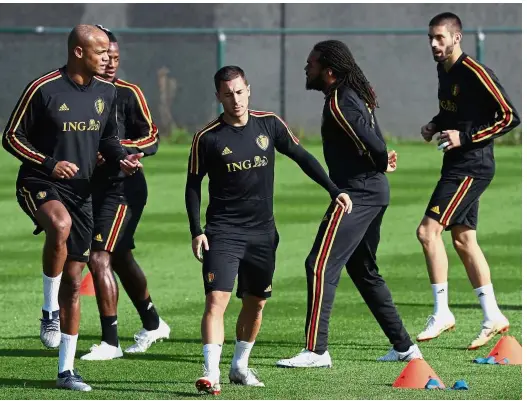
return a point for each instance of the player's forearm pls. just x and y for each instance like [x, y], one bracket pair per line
[148, 145]
[111, 149]
[438, 121]
[508, 121]
[314, 170]
[19, 147]
[193, 204]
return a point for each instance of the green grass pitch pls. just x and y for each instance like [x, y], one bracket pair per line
[168, 370]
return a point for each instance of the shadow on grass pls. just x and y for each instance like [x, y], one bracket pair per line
[29, 353]
[462, 306]
[50, 384]
[24, 383]
[38, 353]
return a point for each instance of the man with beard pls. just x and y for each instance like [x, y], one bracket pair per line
[357, 158]
[237, 151]
[473, 111]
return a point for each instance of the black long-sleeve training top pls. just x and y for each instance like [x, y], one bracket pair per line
[472, 101]
[354, 148]
[137, 131]
[56, 119]
[240, 164]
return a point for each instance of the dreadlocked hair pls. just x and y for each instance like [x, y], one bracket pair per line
[336, 55]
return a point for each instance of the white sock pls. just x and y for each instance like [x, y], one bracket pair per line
[240, 359]
[212, 354]
[67, 348]
[440, 292]
[488, 302]
[51, 292]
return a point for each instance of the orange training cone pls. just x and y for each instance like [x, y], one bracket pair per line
[415, 375]
[507, 347]
[87, 286]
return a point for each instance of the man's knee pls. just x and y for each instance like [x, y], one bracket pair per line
[122, 260]
[99, 262]
[70, 285]
[254, 304]
[364, 275]
[463, 239]
[60, 226]
[216, 302]
[429, 232]
[310, 262]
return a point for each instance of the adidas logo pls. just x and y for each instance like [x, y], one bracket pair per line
[481, 295]
[442, 290]
[150, 305]
[226, 151]
[435, 209]
[87, 253]
[114, 323]
[268, 289]
[98, 238]
[64, 107]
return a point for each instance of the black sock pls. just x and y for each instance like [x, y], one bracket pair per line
[109, 330]
[319, 352]
[148, 314]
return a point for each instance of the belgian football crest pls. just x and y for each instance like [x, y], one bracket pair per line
[210, 277]
[41, 195]
[262, 141]
[455, 89]
[99, 106]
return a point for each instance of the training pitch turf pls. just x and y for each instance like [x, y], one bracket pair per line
[168, 370]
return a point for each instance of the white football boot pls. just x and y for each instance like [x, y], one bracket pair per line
[436, 324]
[70, 380]
[50, 329]
[306, 359]
[489, 329]
[209, 383]
[145, 338]
[395, 356]
[103, 352]
[245, 377]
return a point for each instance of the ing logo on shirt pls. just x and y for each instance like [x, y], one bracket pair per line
[92, 125]
[259, 161]
[99, 106]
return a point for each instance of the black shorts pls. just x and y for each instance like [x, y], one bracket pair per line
[33, 192]
[455, 201]
[251, 257]
[116, 212]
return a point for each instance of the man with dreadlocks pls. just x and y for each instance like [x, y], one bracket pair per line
[357, 158]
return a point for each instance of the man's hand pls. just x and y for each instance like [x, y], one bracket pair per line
[344, 201]
[131, 163]
[199, 244]
[64, 170]
[392, 161]
[428, 131]
[448, 140]
[100, 159]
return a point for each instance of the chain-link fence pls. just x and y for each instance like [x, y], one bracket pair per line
[174, 67]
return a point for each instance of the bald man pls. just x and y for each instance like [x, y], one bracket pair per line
[60, 122]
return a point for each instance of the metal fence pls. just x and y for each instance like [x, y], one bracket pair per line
[195, 53]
